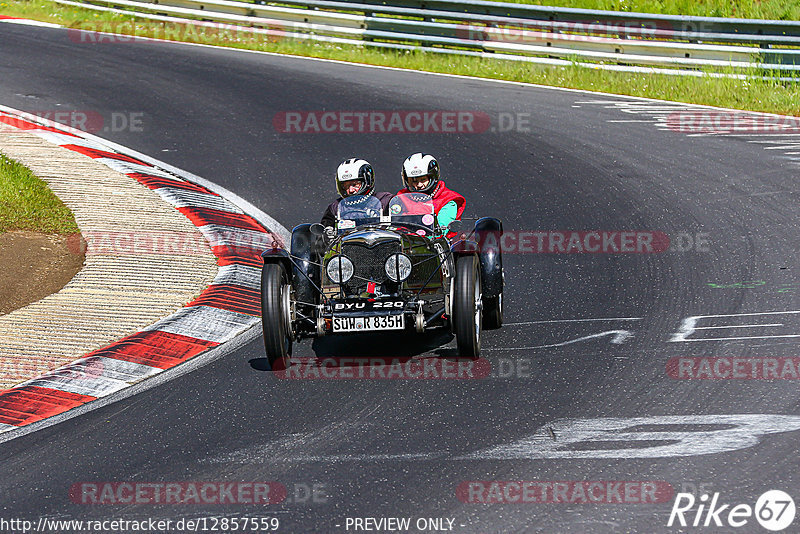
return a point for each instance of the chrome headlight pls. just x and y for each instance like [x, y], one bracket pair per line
[339, 265]
[398, 267]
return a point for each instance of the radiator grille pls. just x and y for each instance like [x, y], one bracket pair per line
[422, 266]
[368, 263]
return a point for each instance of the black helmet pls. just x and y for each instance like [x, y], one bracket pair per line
[355, 169]
[418, 165]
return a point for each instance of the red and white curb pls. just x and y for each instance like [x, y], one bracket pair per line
[229, 309]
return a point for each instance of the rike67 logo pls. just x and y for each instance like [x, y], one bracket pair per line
[774, 510]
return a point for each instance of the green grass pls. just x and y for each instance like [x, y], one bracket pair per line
[26, 203]
[755, 9]
[748, 9]
[768, 95]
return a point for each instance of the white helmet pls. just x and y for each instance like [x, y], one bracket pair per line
[418, 165]
[355, 169]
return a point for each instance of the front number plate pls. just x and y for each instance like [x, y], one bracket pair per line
[368, 324]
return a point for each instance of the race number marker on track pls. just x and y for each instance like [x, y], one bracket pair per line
[643, 437]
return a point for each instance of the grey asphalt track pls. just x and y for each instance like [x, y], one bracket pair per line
[401, 448]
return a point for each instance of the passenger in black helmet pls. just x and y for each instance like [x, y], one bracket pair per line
[353, 177]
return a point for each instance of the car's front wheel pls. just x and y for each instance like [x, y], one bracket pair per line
[467, 307]
[275, 315]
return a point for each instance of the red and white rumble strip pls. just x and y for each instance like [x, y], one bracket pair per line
[227, 308]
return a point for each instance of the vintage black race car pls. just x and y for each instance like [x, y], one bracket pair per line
[382, 273]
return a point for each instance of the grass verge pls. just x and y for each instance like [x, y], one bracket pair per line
[26, 203]
[755, 94]
[746, 9]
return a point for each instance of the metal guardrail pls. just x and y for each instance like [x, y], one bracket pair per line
[518, 32]
[670, 26]
[678, 22]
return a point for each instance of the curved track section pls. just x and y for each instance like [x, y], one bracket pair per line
[224, 310]
[598, 376]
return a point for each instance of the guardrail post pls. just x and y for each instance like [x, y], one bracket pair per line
[369, 15]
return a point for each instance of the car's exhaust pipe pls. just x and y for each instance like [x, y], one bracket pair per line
[436, 315]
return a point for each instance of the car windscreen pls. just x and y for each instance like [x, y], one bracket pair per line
[412, 209]
[358, 210]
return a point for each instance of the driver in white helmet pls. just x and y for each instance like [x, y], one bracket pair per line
[353, 177]
[421, 175]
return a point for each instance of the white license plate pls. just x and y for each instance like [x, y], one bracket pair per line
[368, 324]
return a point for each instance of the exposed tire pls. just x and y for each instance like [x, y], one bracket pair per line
[467, 307]
[493, 312]
[275, 318]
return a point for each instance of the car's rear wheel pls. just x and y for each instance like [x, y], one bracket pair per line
[275, 315]
[467, 307]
